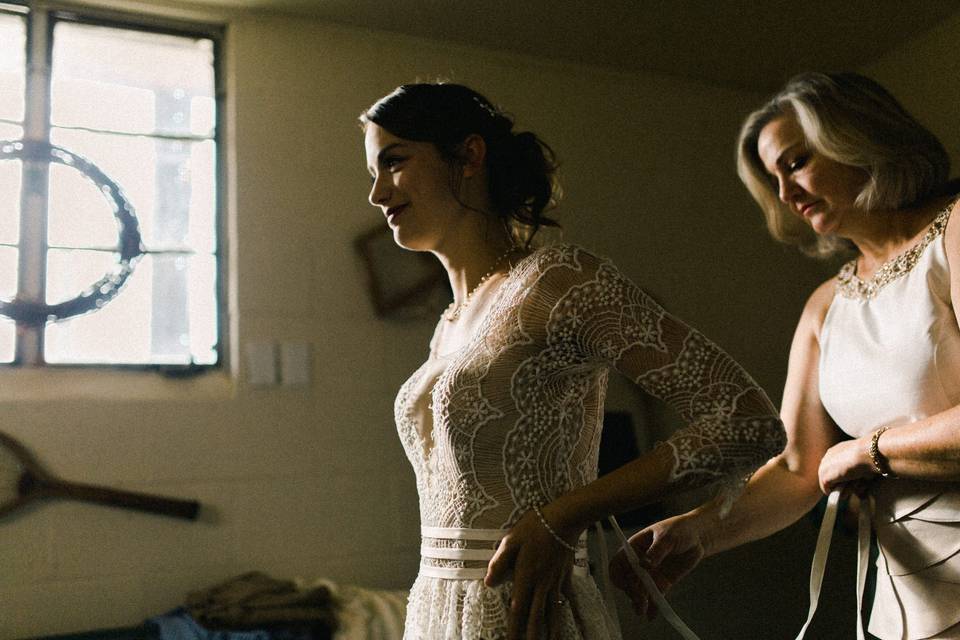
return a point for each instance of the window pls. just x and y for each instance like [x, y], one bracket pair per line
[109, 251]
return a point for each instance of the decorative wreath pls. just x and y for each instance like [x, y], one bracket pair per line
[129, 248]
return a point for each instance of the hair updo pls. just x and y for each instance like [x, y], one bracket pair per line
[521, 168]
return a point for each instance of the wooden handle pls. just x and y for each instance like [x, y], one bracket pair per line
[174, 507]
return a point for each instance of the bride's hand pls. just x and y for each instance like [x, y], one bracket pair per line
[668, 550]
[540, 567]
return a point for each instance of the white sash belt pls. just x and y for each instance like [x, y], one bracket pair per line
[452, 533]
[430, 552]
[453, 573]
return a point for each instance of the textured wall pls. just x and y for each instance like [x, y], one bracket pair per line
[312, 482]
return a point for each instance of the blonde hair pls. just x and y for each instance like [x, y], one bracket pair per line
[852, 120]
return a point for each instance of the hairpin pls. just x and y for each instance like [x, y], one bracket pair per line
[486, 107]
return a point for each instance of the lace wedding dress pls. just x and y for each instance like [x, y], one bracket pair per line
[512, 420]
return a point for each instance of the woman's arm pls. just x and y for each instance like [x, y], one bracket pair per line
[731, 429]
[928, 449]
[732, 426]
[777, 495]
[786, 487]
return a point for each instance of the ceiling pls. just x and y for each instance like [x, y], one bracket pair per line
[753, 44]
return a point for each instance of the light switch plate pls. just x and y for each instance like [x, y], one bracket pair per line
[294, 364]
[261, 363]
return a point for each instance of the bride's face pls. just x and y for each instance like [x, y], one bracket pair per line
[412, 186]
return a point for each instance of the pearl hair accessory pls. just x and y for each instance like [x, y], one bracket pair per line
[454, 310]
[486, 107]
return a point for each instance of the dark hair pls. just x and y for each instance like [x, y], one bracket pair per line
[520, 166]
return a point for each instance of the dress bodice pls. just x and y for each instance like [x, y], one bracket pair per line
[512, 420]
[890, 348]
[889, 356]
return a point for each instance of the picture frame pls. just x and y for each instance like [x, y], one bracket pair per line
[397, 278]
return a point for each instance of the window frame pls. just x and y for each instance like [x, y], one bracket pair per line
[48, 14]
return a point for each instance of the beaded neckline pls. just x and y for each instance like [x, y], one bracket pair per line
[514, 268]
[453, 311]
[849, 285]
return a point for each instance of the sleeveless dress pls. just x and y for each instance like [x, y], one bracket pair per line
[512, 420]
[890, 355]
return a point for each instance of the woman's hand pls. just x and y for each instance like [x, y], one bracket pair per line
[846, 465]
[668, 550]
[540, 568]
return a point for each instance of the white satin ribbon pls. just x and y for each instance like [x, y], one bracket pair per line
[665, 609]
[823, 549]
[604, 572]
[863, 558]
[820, 558]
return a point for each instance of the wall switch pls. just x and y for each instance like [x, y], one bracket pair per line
[261, 363]
[294, 364]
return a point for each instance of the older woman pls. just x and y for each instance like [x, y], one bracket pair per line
[501, 423]
[872, 398]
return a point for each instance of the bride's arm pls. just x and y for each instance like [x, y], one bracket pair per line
[732, 426]
[731, 429]
[777, 495]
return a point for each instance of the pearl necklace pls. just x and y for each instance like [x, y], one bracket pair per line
[453, 311]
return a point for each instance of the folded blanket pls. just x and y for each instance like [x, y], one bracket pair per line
[254, 600]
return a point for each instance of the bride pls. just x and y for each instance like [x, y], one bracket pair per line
[502, 422]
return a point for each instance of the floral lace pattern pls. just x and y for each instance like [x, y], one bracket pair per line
[849, 285]
[514, 419]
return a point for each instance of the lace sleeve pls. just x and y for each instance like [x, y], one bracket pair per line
[731, 426]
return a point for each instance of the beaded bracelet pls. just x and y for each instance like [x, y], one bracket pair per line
[550, 530]
[880, 464]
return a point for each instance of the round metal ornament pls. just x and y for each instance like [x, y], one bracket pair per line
[129, 247]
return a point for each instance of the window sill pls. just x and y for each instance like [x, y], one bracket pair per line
[52, 384]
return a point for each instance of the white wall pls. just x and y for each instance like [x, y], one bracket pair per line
[312, 482]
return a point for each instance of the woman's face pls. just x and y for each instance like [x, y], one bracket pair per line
[817, 189]
[412, 186]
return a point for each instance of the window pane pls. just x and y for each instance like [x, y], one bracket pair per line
[79, 214]
[202, 228]
[8, 334]
[69, 272]
[13, 42]
[11, 172]
[203, 111]
[165, 314]
[10, 131]
[171, 184]
[131, 81]
[8, 273]
[8, 289]
[129, 162]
